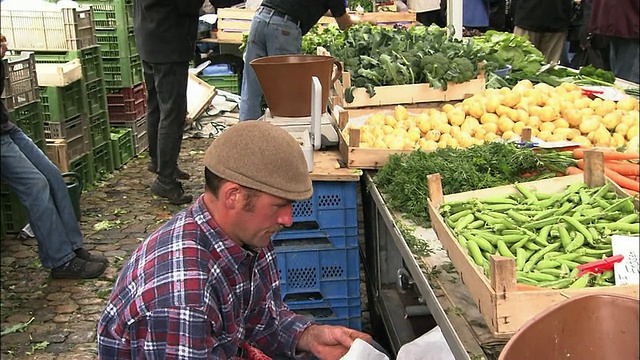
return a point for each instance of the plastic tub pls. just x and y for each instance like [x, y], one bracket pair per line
[593, 326]
[504, 71]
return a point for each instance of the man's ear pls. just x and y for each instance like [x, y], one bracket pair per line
[230, 193]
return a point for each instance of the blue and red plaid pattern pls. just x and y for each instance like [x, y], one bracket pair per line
[189, 292]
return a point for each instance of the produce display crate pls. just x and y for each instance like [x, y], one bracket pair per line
[63, 153]
[61, 103]
[322, 283]
[122, 146]
[102, 160]
[116, 44]
[329, 217]
[95, 96]
[84, 166]
[99, 128]
[13, 213]
[234, 22]
[359, 157]
[404, 94]
[29, 119]
[128, 104]
[59, 74]
[55, 29]
[503, 305]
[20, 84]
[390, 18]
[111, 14]
[90, 61]
[230, 83]
[123, 72]
[139, 132]
[199, 96]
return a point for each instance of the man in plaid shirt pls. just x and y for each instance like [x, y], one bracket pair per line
[206, 284]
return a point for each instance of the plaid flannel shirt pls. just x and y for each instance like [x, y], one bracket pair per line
[189, 292]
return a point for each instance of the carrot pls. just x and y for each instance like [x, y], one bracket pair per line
[622, 181]
[580, 164]
[573, 170]
[623, 169]
[608, 154]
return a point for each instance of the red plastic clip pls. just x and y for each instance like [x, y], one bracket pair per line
[599, 266]
[588, 92]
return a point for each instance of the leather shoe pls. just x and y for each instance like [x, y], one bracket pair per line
[77, 268]
[83, 254]
[174, 193]
[152, 167]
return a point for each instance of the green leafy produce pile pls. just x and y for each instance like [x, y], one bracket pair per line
[403, 179]
[367, 5]
[378, 56]
[502, 49]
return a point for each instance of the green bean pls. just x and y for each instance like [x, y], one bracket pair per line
[628, 219]
[563, 209]
[620, 204]
[557, 284]
[504, 250]
[544, 214]
[537, 256]
[475, 252]
[540, 223]
[536, 276]
[633, 228]
[498, 200]
[525, 280]
[547, 264]
[601, 191]
[579, 227]
[521, 258]
[476, 224]
[482, 243]
[526, 192]
[543, 235]
[564, 236]
[580, 282]
[576, 243]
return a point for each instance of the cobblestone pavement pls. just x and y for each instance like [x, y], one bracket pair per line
[43, 318]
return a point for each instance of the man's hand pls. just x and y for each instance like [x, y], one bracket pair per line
[329, 342]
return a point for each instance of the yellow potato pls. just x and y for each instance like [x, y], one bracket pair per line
[611, 120]
[400, 112]
[456, 117]
[627, 103]
[561, 122]
[547, 126]
[504, 123]
[582, 140]
[517, 127]
[508, 135]
[572, 116]
[589, 124]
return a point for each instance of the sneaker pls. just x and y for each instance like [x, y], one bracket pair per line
[152, 167]
[77, 268]
[175, 194]
[83, 254]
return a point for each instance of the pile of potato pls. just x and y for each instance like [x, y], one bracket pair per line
[553, 113]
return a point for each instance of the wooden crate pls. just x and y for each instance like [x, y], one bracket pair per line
[405, 94]
[58, 74]
[389, 19]
[366, 158]
[199, 96]
[505, 307]
[234, 22]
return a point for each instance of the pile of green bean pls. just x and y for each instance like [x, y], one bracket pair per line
[548, 235]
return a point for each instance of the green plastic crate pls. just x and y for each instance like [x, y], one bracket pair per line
[230, 83]
[14, 215]
[123, 72]
[122, 146]
[116, 44]
[95, 97]
[103, 160]
[99, 129]
[90, 60]
[111, 14]
[84, 166]
[29, 119]
[61, 103]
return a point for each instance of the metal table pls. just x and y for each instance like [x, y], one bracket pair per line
[393, 271]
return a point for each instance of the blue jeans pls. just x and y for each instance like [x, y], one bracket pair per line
[269, 35]
[624, 58]
[43, 192]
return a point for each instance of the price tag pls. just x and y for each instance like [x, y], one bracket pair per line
[628, 270]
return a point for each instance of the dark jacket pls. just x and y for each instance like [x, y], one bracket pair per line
[621, 20]
[166, 30]
[542, 15]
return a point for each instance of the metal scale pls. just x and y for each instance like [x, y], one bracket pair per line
[312, 132]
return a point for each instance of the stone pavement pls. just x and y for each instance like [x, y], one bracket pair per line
[43, 318]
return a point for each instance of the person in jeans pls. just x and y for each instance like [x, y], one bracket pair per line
[205, 285]
[277, 29]
[43, 192]
[166, 33]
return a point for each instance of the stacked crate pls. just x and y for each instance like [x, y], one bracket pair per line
[318, 257]
[123, 74]
[20, 96]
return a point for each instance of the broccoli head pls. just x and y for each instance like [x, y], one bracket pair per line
[461, 70]
[435, 67]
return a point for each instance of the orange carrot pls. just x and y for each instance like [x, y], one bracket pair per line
[623, 169]
[608, 154]
[622, 181]
[580, 164]
[572, 170]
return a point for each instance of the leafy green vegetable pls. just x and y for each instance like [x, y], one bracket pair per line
[403, 179]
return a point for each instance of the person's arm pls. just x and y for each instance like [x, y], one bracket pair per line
[189, 7]
[328, 341]
[346, 20]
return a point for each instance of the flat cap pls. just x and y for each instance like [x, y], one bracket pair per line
[261, 156]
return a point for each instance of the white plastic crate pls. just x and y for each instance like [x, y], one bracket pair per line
[53, 29]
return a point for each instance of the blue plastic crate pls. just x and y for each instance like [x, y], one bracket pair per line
[331, 211]
[330, 238]
[313, 275]
[333, 312]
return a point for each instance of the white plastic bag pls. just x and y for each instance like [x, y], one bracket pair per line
[362, 350]
[430, 346]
